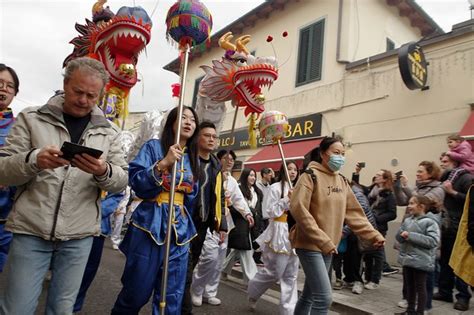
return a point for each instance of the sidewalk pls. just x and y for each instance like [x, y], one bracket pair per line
[380, 301]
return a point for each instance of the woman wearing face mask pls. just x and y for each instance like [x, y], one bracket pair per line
[321, 202]
[280, 260]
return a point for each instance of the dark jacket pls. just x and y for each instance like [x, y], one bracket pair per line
[470, 219]
[385, 209]
[454, 204]
[243, 237]
[217, 197]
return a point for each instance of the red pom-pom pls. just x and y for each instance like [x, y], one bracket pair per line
[176, 89]
[285, 33]
[269, 38]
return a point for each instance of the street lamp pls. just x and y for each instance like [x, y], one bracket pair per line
[471, 6]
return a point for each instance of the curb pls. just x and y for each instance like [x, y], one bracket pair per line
[338, 305]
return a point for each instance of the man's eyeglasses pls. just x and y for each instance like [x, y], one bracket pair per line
[209, 136]
[10, 87]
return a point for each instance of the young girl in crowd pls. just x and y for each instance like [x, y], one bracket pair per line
[150, 177]
[279, 258]
[460, 151]
[320, 203]
[418, 237]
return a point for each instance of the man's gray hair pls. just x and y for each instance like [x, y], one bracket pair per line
[88, 65]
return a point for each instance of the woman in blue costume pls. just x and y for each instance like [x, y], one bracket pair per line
[9, 85]
[143, 244]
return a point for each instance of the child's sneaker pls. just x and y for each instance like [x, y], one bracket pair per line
[403, 304]
[371, 286]
[338, 285]
[357, 288]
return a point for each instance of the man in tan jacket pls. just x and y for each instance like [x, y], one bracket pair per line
[57, 204]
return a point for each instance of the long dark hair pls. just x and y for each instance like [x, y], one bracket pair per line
[315, 154]
[244, 184]
[283, 178]
[168, 138]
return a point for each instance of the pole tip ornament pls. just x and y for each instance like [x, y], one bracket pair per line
[188, 22]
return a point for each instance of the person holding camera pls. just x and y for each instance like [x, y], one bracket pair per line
[56, 212]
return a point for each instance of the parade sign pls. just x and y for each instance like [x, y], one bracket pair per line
[300, 128]
[413, 66]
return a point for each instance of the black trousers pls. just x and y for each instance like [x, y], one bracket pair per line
[416, 289]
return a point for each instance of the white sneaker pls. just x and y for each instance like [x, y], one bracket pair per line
[357, 288]
[213, 301]
[371, 286]
[252, 304]
[114, 246]
[196, 299]
[403, 304]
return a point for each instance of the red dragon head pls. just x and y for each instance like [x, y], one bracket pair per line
[239, 76]
[117, 41]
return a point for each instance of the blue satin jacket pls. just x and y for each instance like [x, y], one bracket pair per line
[108, 206]
[151, 216]
[6, 193]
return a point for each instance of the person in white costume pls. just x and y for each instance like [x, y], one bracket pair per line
[279, 258]
[207, 273]
[119, 214]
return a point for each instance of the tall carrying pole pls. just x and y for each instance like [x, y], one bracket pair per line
[164, 277]
[284, 164]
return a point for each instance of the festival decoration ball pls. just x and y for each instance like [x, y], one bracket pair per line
[188, 22]
[273, 126]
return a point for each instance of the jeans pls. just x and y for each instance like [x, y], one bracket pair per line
[92, 266]
[373, 265]
[316, 297]
[29, 259]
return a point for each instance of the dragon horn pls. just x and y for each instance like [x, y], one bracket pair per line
[224, 41]
[241, 42]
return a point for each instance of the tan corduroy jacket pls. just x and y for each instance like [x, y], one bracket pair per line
[321, 206]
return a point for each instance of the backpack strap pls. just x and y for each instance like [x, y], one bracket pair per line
[311, 173]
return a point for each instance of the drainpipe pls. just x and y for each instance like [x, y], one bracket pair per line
[339, 30]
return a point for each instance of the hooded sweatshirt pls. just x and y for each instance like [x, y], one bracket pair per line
[320, 207]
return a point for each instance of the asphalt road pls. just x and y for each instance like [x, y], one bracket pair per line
[104, 290]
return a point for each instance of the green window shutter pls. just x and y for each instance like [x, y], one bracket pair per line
[303, 55]
[310, 53]
[196, 89]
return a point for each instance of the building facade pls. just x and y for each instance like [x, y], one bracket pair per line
[339, 74]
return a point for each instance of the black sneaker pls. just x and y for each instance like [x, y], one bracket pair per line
[441, 297]
[461, 305]
[389, 271]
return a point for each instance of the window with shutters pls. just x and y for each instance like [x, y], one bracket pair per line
[310, 53]
[389, 44]
[196, 89]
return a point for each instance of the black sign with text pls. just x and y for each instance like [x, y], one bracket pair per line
[300, 128]
[413, 66]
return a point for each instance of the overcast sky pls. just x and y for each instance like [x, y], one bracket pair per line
[35, 35]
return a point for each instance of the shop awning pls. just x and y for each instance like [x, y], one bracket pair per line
[269, 156]
[468, 130]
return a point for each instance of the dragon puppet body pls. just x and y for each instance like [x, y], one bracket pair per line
[239, 77]
[116, 40]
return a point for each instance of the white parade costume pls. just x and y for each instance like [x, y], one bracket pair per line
[279, 258]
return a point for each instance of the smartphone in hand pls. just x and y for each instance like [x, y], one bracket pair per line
[361, 164]
[70, 149]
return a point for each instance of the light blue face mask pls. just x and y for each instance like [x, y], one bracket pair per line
[336, 161]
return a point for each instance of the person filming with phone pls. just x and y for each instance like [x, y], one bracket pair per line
[56, 211]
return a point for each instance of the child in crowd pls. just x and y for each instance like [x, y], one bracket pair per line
[460, 151]
[419, 236]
